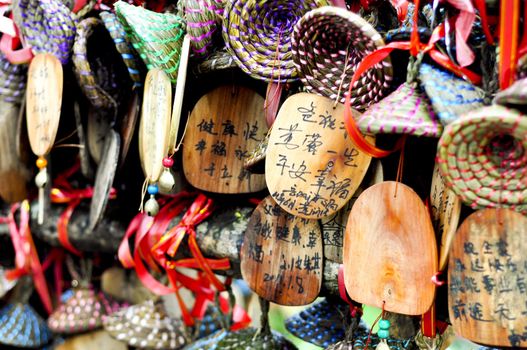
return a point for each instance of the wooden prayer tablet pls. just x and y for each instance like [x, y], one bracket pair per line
[155, 123]
[224, 126]
[281, 255]
[487, 278]
[43, 102]
[446, 209]
[104, 177]
[127, 127]
[390, 252]
[99, 122]
[312, 167]
[334, 226]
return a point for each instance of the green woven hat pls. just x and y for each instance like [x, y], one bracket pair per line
[449, 95]
[157, 37]
[258, 35]
[482, 156]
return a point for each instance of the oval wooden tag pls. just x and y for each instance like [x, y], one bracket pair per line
[281, 255]
[390, 251]
[98, 125]
[155, 123]
[487, 274]
[104, 177]
[44, 100]
[446, 209]
[128, 123]
[224, 125]
[334, 226]
[312, 168]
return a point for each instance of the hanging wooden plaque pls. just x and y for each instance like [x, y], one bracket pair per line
[446, 209]
[487, 278]
[334, 226]
[312, 168]
[84, 153]
[104, 177]
[224, 125]
[43, 102]
[390, 251]
[128, 123]
[99, 122]
[155, 123]
[281, 255]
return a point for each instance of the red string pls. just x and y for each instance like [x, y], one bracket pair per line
[509, 22]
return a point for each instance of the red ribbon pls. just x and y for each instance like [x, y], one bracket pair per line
[462, 23]
[509, 23]
[26, 255]
[482, 9]
[415, 47]
[11, 43]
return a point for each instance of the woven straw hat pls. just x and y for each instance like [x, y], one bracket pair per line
[146, 326]
[21, 326]
[12, 80]
[157, 37]
[483, 159]
[84, 311]
[449, 95]
[218, 60]
[320, 324]
[203, 21]
[515, 95]
[258, 35]
[124, 47]
[249, 338]
[327, 45]
[48, 26]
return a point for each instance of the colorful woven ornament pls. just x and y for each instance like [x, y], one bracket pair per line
[218, 60]
[130, 58]
[47, 25]
[483, 159]
[320, 324]
[83, 312]
[12, 80]
[249, 338]
[327, 45]
[203, 20]
[146, 326]
[404, 111]
[157, 37]
[449, 95]
[22, 327]
[258, 35]
[514, 95]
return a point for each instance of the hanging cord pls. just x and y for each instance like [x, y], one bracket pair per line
[381, 315]
[400, 166]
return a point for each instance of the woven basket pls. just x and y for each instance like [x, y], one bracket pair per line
[130, 58]
[405, 111]
[327, 45]
[248, 338]
[157, 37]
[483, 158]
[22, 327]
[360, 338]
[47, 25]
[449, 95]
[515, 95]
[146, 326]
[203, 21]
[258, 35]
[12, 80]
[218, 60]
[320, 324]
[83, 312]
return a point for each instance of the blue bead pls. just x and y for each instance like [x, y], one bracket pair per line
[152, 189]
[383, 333]
[384, 324]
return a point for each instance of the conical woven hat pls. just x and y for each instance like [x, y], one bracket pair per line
[405, 111]
[22, 327]
[157, 37]
[483, 158]
[320, 324]
[328, 44]
[449, 95]
[82, 312]
[248, 338]
[146, 326]
[203, 23]
[515, 95]
[258, 35]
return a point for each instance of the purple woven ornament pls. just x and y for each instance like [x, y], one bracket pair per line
[327, 45]
[12, 80]
[47, 26]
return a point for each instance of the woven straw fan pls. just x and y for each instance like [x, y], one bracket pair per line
[43, 105]
[153, 131]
